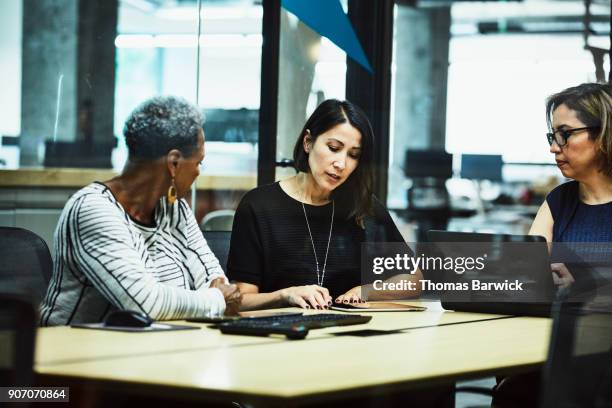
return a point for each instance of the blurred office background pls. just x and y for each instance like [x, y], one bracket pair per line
[456, 97]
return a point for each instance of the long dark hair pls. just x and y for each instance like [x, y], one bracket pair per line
[356, 192]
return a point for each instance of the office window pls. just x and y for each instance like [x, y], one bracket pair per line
[311, 69]
[229, 81]
[164, 61]
[497, 87]
[69, 85]
[472, 78]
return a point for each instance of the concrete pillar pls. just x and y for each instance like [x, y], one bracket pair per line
[96, 71]
[299, 46]
[422, 43]
[421, 57]
[67, 45]
[49, 53]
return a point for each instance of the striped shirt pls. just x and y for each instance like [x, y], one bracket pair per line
[104, 261]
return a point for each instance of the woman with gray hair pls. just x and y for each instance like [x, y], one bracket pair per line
[132, 243]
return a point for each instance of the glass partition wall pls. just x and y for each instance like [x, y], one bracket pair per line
[311, 70]
[471, 78]
[228, 92]
[210, 53]
[74, 69]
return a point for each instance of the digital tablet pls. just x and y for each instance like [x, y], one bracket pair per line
[377, 307]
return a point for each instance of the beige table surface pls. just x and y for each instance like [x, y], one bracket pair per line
[434, 348]
[94, 344]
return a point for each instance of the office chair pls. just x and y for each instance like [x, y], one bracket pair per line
[18, 321]
[219, 243]
[26, 264]
[428, 199]
[578, 371]
[218, 220]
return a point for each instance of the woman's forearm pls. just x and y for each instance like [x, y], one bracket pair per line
[252, 301]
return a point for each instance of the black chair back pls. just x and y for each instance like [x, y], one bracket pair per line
[18, 320]
[219, 243]
[25, 263]
[578, 372]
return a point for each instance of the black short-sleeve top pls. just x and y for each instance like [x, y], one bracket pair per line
[271, 246]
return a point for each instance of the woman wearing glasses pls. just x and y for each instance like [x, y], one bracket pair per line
[580, 119]
[298, 241]
[579, 211]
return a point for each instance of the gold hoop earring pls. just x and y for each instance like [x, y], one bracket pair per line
[171, 196]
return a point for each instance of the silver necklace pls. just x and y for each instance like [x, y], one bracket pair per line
[320, 277]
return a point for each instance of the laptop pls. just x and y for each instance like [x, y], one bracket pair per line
[515, 278]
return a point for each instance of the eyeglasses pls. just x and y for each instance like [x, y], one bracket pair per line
[560, 136]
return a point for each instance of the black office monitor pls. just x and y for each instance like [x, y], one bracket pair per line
[428, 163]
[79, 153]
[232, 125]
[481, 166]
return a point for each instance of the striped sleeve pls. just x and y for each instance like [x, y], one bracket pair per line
[113, 259]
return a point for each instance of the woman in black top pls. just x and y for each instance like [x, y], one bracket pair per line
[298, 241]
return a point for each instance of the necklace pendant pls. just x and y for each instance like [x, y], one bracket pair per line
[320, 276]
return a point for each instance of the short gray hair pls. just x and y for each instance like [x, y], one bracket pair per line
[161, 124]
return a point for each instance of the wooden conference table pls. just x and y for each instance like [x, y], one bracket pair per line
[435, 347]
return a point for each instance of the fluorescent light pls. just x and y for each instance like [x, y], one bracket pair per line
[463, 29]
[188, 13]
[187, 41]
[231, 40]
[175, 41]
[134, 41]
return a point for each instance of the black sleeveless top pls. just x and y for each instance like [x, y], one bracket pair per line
[575, 221]
[583, 238]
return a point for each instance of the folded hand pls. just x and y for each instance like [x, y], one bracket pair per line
[231, 294]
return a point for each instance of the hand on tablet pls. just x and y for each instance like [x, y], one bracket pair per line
[306, 297]
[352, 296]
